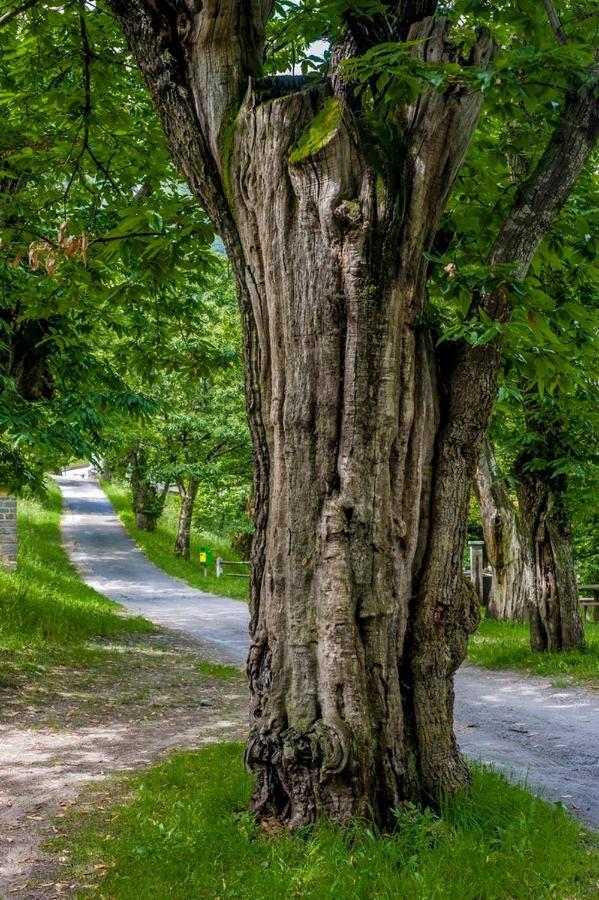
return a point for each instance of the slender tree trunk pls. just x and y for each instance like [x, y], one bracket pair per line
[182, 543]
[148, 502]
[555, 620]
[364, 444]
[503, 541]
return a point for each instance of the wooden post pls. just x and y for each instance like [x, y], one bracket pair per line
[219, 567]
[476, 566]
[591, 613]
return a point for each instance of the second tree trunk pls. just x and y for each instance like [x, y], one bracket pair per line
[555, 621]
[510, 594]
[183, 540]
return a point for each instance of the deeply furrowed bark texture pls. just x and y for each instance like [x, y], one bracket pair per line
[348, 386]
[555, 620]
[510, 594]
[364, 449]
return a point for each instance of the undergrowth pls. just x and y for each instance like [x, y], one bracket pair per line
[183, 831]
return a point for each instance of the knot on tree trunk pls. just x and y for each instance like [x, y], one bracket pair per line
[294, 770]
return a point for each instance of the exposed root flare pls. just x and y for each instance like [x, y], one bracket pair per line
[297, 773]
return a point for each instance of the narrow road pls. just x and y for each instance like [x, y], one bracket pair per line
[111, 562]
[546, 736]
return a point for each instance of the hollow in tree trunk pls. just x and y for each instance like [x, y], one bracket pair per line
[510, 593]
[188, 499]
[365, 443]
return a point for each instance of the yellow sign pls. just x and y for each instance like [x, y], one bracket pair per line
[203, 556]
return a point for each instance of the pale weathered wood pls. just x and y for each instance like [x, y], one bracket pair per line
[510, 593]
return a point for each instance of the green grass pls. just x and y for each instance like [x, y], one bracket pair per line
[158, 546]
[506, 645]
[46, 611]
[217, 670]
[183, 831]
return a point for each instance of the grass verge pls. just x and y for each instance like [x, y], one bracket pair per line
[46, 612]
[506, 645]
[183, 831]
[158, 546]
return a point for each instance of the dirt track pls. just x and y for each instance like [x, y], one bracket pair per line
[73, 728]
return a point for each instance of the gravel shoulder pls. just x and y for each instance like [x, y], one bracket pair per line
[71, 728]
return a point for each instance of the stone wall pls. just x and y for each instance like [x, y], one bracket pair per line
[8, 531]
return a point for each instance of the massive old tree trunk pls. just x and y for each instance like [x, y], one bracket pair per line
[364, 448]
[555, 620]
[503, 540]
[188, 499]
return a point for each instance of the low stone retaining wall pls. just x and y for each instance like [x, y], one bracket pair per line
[8, 530]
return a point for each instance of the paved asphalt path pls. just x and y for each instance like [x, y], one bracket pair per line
[546, 736]
[112, 563]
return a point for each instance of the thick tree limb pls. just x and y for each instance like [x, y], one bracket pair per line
[150, 37]
[541, 197]
[411, 11]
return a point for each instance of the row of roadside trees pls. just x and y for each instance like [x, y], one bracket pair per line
[410, 228]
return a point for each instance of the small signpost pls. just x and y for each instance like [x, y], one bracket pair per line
[205, 559]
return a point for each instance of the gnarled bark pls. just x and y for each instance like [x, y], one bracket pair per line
[510, 593]
[555, 620]
[364, 445]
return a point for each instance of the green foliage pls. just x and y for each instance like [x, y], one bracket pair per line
[197, 430]
[185, 834]
[395, 74]
[99, 238]
[506, 645]
[158, 545]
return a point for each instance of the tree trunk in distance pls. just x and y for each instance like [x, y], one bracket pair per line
[501, 529]
[555, 620]
[147, 502]
[183, 540]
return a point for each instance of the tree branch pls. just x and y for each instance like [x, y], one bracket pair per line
[412, 11]
[153, 34]
[9, 16]
[555, 22]
[541, 197]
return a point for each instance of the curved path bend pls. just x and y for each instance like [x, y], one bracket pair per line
[546, 736]
[110, 561]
